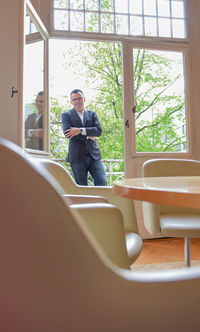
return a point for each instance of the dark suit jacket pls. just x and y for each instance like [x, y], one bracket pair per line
[31, 123]
[80, 145]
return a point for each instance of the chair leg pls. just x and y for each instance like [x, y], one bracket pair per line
[187, 252]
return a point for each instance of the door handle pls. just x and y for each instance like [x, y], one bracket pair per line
[13, 91]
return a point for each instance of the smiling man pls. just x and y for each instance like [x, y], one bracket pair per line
[82, 127]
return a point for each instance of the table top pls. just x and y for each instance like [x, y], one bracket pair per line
[183, 191]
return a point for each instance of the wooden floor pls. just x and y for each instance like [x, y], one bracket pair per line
[158, 251]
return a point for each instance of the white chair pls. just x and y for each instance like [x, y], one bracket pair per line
[161, 220]
[56, 277]
[126, 206]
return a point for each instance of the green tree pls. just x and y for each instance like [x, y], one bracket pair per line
[160, 111]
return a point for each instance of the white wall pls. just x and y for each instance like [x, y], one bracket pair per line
[11, 35]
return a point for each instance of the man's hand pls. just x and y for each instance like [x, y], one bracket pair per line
[92, 138]
[38, 133]
[73, 131]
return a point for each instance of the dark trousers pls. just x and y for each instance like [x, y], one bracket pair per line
[94, 167]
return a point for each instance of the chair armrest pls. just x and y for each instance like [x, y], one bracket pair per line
[125, 205]
[105, 222]
[82, 199]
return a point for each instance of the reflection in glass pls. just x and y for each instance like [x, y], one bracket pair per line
[34, 92]
[34, 124]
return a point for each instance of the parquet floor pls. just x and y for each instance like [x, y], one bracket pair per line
[158, 251]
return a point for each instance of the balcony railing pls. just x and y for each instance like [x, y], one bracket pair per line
[114, 169]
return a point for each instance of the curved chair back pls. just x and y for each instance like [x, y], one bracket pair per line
[54, 276]
[126, 206]
[160, 168]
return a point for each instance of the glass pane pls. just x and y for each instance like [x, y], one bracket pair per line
[160, 101]
[92, 24]
[149, 10]
[60, 3]
[150, 7]
[163, 8]
[121, 6]
[76, 4]
[177, 9]
[76, 21]
[135, 6]
[164, 27]
[150, 26]
[34, 95]
[60, 20]
[107, 23]
[107, 5]
[91, 5]
[29, 26]
[178, 28]
[122, 24]
[136, 26]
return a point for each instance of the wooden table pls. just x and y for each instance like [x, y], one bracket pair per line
[183, 191]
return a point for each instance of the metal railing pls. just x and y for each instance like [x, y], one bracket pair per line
[114, 169]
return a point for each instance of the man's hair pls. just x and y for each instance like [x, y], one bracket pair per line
[76, 91]
[40, 93]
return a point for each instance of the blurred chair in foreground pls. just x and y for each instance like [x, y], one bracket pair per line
[56, 277]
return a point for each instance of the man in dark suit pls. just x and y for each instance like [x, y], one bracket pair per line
[82, 127]
[34, 125]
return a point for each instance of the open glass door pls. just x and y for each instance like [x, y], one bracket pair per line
[156, 107]
[35, 91]
[159, 95]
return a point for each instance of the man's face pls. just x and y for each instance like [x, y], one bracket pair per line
[40, 103]
[77, 100]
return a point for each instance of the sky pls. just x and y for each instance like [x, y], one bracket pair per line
[62, 81]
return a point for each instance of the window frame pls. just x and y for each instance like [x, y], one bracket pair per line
[129, 97]
[159, 43]
[34, 37]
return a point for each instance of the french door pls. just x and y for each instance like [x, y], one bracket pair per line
[156, 106]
